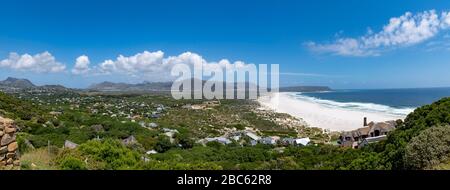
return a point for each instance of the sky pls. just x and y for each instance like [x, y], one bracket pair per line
[342, 44]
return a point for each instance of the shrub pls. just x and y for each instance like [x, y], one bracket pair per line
[72, 163]
[163, 144]
[429, 148]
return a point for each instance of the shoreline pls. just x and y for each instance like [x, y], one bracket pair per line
[324, 117]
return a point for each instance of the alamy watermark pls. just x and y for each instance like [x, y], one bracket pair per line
[230, 81]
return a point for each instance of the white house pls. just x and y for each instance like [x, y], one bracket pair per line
[302, 141]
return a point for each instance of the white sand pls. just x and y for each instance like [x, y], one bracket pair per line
[317, 115]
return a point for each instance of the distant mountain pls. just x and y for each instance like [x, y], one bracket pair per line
[166, 86]
[305, 89]
[17, 83]
[145, 86]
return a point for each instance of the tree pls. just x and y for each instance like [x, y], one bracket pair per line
[429, 148]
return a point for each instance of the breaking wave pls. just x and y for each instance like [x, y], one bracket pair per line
[357, 106]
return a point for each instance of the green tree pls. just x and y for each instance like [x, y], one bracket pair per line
[429, 148]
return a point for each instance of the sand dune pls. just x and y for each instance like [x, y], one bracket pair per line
[325, 117]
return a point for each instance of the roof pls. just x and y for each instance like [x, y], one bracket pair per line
[363, 131]
[384, 126]
[252, 136]
[151, 152]
[222, 140]
[303, 141]
[376, 139]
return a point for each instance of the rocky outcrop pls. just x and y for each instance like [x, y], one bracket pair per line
[9, 155]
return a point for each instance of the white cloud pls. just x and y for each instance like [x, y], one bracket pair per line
[153, 65]
[141, 62]
[39, 63]
[408, 29]
[81, 65]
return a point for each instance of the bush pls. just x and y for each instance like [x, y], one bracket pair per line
[436, 114]
[72, 163]
[112, 153]
[163, 144]
[429, 148]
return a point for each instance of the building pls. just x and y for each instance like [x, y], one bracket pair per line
[371, 140]
[369, 133]
[221, 140]
[153, 125]
[252, 136]
[302, 141]
[270, 140]
[288, 141]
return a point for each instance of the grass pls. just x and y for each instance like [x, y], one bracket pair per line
[38, 159]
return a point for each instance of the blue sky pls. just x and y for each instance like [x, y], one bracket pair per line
[341, 44]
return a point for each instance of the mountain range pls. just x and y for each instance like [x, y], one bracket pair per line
[16, 83]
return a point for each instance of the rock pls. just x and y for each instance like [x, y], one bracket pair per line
[9, 161]
[7, 138]
[10, 155]
[70, 145]
[9, 167]
[16, 163]
[3, 163]
[2, 157]
[3, 150]
[1, 133]
[10, 129]
[12, 147]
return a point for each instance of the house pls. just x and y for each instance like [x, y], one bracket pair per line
[155, 115]
[151, 152]
[252, 136]
[221, 140]
[287, 141]
[55, 113]
[302, 141]
[170, 130]
[368, 131]
[236, 137]
[70, 145]
[153, 125]
[371, 140]
[270, 140]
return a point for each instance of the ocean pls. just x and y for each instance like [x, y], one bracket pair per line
[393, 101]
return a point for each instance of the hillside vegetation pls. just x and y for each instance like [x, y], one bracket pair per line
[421, 142]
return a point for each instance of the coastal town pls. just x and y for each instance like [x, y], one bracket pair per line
[148, 113]
[61, 128]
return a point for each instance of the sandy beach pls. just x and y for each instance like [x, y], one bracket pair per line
[317, 115]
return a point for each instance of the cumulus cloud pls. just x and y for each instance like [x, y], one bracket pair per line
[39, 63]
[81, 65]
[155, 66]
[406, 30]
[141, 62]
[152, 66]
